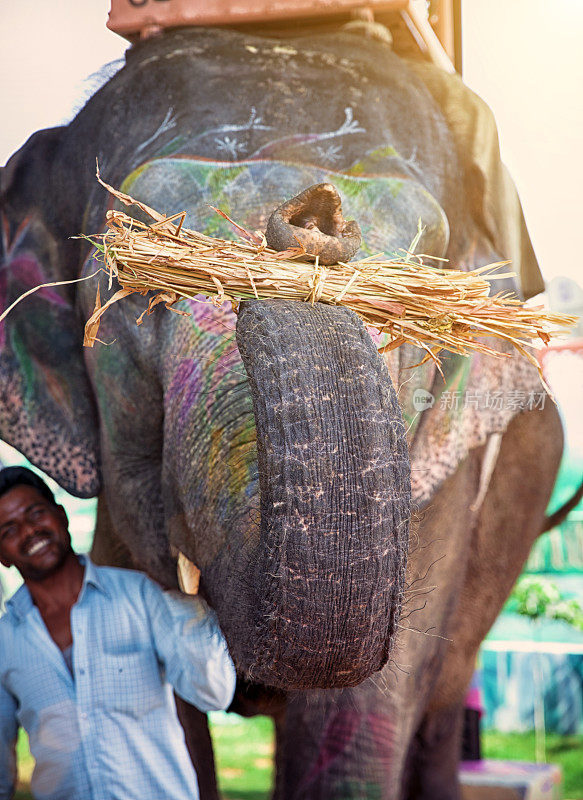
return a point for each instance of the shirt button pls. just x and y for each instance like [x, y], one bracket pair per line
[81, 671]
[83, 715]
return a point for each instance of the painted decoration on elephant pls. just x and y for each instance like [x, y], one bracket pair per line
[40, 361]
[248, 191]
[445, 416]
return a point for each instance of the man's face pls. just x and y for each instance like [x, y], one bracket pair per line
[34, 534]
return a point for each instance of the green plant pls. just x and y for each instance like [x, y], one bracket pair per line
[539, 598]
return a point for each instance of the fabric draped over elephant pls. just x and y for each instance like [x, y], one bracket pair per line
[356, 549]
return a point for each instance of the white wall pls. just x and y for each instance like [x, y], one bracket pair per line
[525, 58]
[47, 48]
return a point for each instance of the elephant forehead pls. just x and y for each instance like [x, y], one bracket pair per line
[442, 427]
[388, 208]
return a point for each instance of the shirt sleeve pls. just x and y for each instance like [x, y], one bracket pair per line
[8, 734]
[191, 646]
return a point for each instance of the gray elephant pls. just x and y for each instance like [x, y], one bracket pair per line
[356, 550]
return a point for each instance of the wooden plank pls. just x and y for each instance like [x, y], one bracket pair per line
[416, 14]
[441, 18]
[147, 16]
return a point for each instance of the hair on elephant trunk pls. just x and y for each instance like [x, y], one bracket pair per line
[334, 496]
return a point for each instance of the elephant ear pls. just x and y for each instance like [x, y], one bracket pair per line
[46, 405]
[489, 190]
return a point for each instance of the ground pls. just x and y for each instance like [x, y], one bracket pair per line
[244, 749]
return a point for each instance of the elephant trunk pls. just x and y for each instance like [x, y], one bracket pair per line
[335, 497]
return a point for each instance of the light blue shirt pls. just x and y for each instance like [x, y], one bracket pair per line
[110, 730]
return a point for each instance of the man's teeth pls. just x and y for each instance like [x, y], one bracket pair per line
[37, 546]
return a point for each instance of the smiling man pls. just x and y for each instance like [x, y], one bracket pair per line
[88, 659]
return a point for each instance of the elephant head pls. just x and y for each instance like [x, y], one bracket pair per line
[275, 449]
[276, 462]
[284, 477]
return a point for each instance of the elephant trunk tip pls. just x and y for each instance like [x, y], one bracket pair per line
[313, 221]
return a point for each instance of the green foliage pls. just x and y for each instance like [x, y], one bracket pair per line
[25, 767]
[244, 755]
[562, 750]
[540, 598]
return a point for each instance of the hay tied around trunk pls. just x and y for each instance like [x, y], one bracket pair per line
[433, 308]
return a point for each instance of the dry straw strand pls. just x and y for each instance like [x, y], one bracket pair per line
[432, 307]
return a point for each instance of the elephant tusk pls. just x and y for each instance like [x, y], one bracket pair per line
[188, 574]
[488, 463]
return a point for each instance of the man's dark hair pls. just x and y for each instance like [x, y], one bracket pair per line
[21, 476]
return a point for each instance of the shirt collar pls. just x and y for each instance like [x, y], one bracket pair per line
[93, 576]
[21, 601]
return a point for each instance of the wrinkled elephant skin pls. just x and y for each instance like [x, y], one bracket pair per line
[276, 449]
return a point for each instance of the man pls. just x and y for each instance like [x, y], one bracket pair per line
[88, 659]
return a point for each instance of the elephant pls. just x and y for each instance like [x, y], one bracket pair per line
[356, 548]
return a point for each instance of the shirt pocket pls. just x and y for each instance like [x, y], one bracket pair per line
[130, 684]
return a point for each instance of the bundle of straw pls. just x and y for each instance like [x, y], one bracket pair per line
[430, 307]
